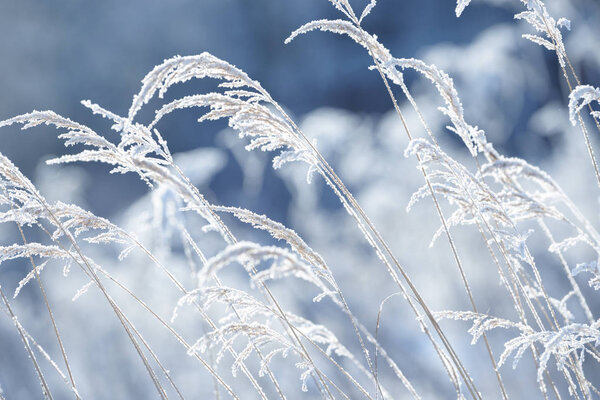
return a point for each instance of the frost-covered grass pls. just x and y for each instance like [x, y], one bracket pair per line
[493, 267]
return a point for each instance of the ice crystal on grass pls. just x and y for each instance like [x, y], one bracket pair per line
[592, 268]
[538, 17]
[367, 10]
[248, 321]
[250, 255]
[473, 137]
[249, 109]
[580, 97]
[481, 322]
[561, 344]
[473, 198]
[460, 6]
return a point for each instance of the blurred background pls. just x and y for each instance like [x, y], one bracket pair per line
[55, 54]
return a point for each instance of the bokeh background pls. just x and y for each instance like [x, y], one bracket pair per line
[55, 54]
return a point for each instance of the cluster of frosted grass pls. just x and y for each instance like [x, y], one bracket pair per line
[161, 295]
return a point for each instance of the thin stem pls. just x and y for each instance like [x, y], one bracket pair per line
[574, 284]
[45, 389]
[179, 338]
[50, 313]
[95, 278]
[267, 292]
[468, 380]
[558, 47]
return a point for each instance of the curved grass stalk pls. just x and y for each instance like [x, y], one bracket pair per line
[574, 284]
[179, 338]
[86, 267]
[43, 352]
[148, 169]
[153, 355]
[250, 307]
[213, 218]
[540, 304]
[183, 290]
[561, 53]
[553, 320]
[45, 389]
[514, 294]
[358, 33]
[50, 314]
[207, 318]
[49, 309]
[377, 349]
[383, 251]
[575, 365]
[228, 105]
[267, 292]
[367, 44]
[281, 232]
